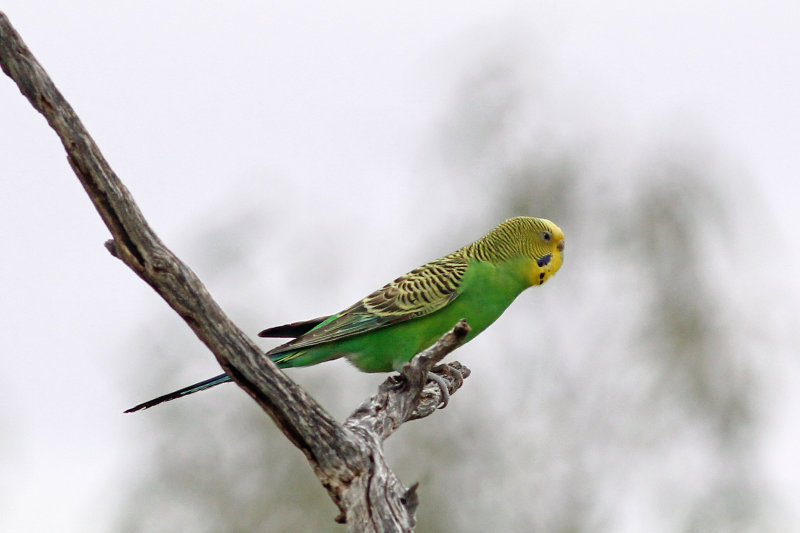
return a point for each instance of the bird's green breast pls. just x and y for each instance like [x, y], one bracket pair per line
[486, 290]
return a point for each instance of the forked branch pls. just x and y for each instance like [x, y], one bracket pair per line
[347, 458]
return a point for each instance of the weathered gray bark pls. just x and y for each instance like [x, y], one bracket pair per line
[347, 458]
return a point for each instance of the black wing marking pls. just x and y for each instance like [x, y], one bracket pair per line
[295, 329]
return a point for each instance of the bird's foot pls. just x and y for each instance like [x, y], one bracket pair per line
[454, 370]
[440, 381]
[451, 372]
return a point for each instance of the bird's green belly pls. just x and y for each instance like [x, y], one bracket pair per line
[388, 348]
[391, 347]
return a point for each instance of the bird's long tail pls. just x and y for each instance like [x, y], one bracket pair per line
[293, 330]
[180, 393]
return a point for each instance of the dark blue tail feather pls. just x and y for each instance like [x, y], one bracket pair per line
[197, 387]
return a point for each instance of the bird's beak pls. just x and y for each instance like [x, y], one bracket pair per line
[560, 245]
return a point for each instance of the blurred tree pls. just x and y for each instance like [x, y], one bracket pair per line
[619, 398]
[641, 399]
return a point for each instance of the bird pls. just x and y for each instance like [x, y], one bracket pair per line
[384, 330]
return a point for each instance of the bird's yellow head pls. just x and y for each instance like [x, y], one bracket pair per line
[537, 241]
[546, 248]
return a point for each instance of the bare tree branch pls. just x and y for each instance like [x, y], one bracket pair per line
[348, 458]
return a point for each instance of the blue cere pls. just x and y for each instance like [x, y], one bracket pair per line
[545, 259]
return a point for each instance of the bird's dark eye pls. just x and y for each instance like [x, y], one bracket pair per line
[546, 236]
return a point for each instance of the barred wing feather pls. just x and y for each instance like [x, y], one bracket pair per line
[420, 292]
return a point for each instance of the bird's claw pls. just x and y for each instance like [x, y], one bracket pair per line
[440, 381]
[451, 370]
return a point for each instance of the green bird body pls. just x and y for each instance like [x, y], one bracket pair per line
[387, 328]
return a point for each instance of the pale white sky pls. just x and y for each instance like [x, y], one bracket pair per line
[190, 100]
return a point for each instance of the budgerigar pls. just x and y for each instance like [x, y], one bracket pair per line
[387, 328]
